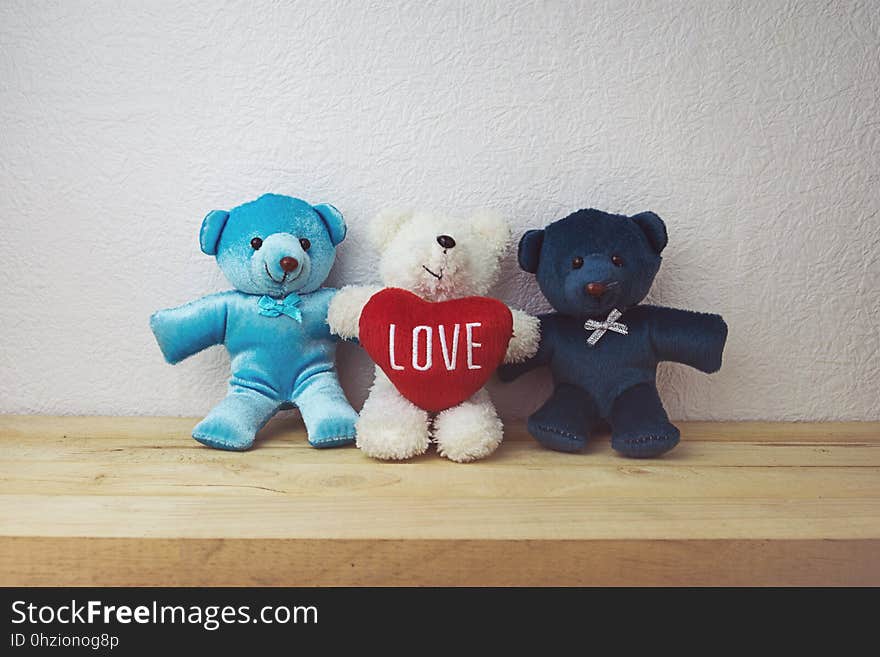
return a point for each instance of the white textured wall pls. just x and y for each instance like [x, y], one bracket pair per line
[753, 128]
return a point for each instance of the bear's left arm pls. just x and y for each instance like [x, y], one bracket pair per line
[684, 336]
[526, 337]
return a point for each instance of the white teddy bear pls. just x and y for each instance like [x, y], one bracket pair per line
[438, 258]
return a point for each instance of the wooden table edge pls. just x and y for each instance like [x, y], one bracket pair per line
[87, 561]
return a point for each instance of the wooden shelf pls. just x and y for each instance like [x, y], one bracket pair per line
[135, 501]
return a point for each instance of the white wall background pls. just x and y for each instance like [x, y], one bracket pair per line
[753, 128]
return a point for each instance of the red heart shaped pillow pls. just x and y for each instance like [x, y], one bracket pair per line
[436, 354]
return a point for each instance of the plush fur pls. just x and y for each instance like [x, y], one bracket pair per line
[615, 379]
[412, 258]
[276, 251]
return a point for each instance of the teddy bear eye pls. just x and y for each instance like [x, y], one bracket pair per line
[256, 243]
[617, 261]
[577, 263]
[305, 243]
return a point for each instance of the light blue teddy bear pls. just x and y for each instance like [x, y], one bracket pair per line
[276, 251]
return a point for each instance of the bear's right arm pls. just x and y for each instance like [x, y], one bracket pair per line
[187, 329]
[344, 312]
[542, 357]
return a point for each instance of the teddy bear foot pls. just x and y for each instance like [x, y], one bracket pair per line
[214, 434]
[391, 443]
[233, 423]
[640, 426]
[329, 418]
[556, 438]
[564, 422]
[646, 443]
[397, 439]
[333, 432]
[390, 427]
[469, 431]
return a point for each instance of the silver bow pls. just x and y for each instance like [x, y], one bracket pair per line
[599, 328]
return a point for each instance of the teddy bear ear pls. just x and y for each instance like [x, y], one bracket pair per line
[333, 220]
[529, 252]
[654, 229]
[491, 226]
[212, 228]
[386, 224]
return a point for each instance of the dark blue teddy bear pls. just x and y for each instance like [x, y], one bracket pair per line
[601, 346]
[276, 251]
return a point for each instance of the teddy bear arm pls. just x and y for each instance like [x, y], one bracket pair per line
[542, 356]
[691, 338]
[187, 329]
[344, 311]
[526, 337]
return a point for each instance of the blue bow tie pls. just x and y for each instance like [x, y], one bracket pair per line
[287, 306]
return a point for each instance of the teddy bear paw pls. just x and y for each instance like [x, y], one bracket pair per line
[218, 434]
[344, 311]
[468, 432]
[466, 447]
[646, 443]
[332, 432]
[391, 440]
[556, 437]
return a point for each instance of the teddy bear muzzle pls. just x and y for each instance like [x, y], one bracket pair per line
[281, 260]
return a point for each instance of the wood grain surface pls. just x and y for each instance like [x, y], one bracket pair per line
[135, 501]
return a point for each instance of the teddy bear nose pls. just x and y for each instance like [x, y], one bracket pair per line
[445, 241]
[289, 264]
[595, 289]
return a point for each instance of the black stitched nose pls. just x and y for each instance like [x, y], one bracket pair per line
[445, 241]
[288, 264]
